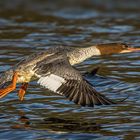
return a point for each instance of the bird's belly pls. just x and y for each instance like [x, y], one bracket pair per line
[23, 79]
[25, 76]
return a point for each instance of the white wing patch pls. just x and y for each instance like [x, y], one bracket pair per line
[52, 82]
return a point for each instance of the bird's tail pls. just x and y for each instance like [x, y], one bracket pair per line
[5, 78]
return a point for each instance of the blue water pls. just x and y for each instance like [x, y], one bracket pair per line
[30, 26]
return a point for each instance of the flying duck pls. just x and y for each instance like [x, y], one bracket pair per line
[53, 69]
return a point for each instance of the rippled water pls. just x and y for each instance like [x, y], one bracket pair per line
[30, 26]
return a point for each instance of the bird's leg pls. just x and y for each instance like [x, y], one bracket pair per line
[11, 87]
[22, 91]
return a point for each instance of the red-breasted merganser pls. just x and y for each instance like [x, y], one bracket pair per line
[53, 70]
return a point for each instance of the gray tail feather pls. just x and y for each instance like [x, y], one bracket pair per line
[5, 78]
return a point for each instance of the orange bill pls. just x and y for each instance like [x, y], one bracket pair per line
[128, 50]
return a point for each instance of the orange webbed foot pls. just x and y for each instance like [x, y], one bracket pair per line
[11, 87]
[22, 91]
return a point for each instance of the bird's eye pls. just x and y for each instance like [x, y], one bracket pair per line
[124, 46]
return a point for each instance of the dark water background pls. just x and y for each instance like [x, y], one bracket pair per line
[28, 26]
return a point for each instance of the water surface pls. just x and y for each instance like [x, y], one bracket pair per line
[30, 26]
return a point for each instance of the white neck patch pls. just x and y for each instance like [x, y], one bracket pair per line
[95, 50]
[82, 54]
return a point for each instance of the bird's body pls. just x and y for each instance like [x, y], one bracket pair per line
[26, 67]
[53, 70]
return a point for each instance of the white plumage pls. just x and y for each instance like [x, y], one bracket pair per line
[97, 51]
[52, 82]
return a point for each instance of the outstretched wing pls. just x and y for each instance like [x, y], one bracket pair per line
[56, 74]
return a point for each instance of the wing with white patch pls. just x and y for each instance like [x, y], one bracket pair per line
[60, 77]
[52, 82]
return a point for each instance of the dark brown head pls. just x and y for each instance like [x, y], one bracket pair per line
[114, 48]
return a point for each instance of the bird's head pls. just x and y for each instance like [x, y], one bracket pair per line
[114, 48]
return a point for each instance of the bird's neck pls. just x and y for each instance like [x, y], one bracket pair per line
[81, 54]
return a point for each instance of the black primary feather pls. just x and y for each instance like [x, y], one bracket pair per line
[76, 88]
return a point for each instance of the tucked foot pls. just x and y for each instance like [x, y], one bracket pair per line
[22, 91]
[5, 91]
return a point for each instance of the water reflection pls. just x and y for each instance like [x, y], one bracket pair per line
[55, 124]
[22, 123]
